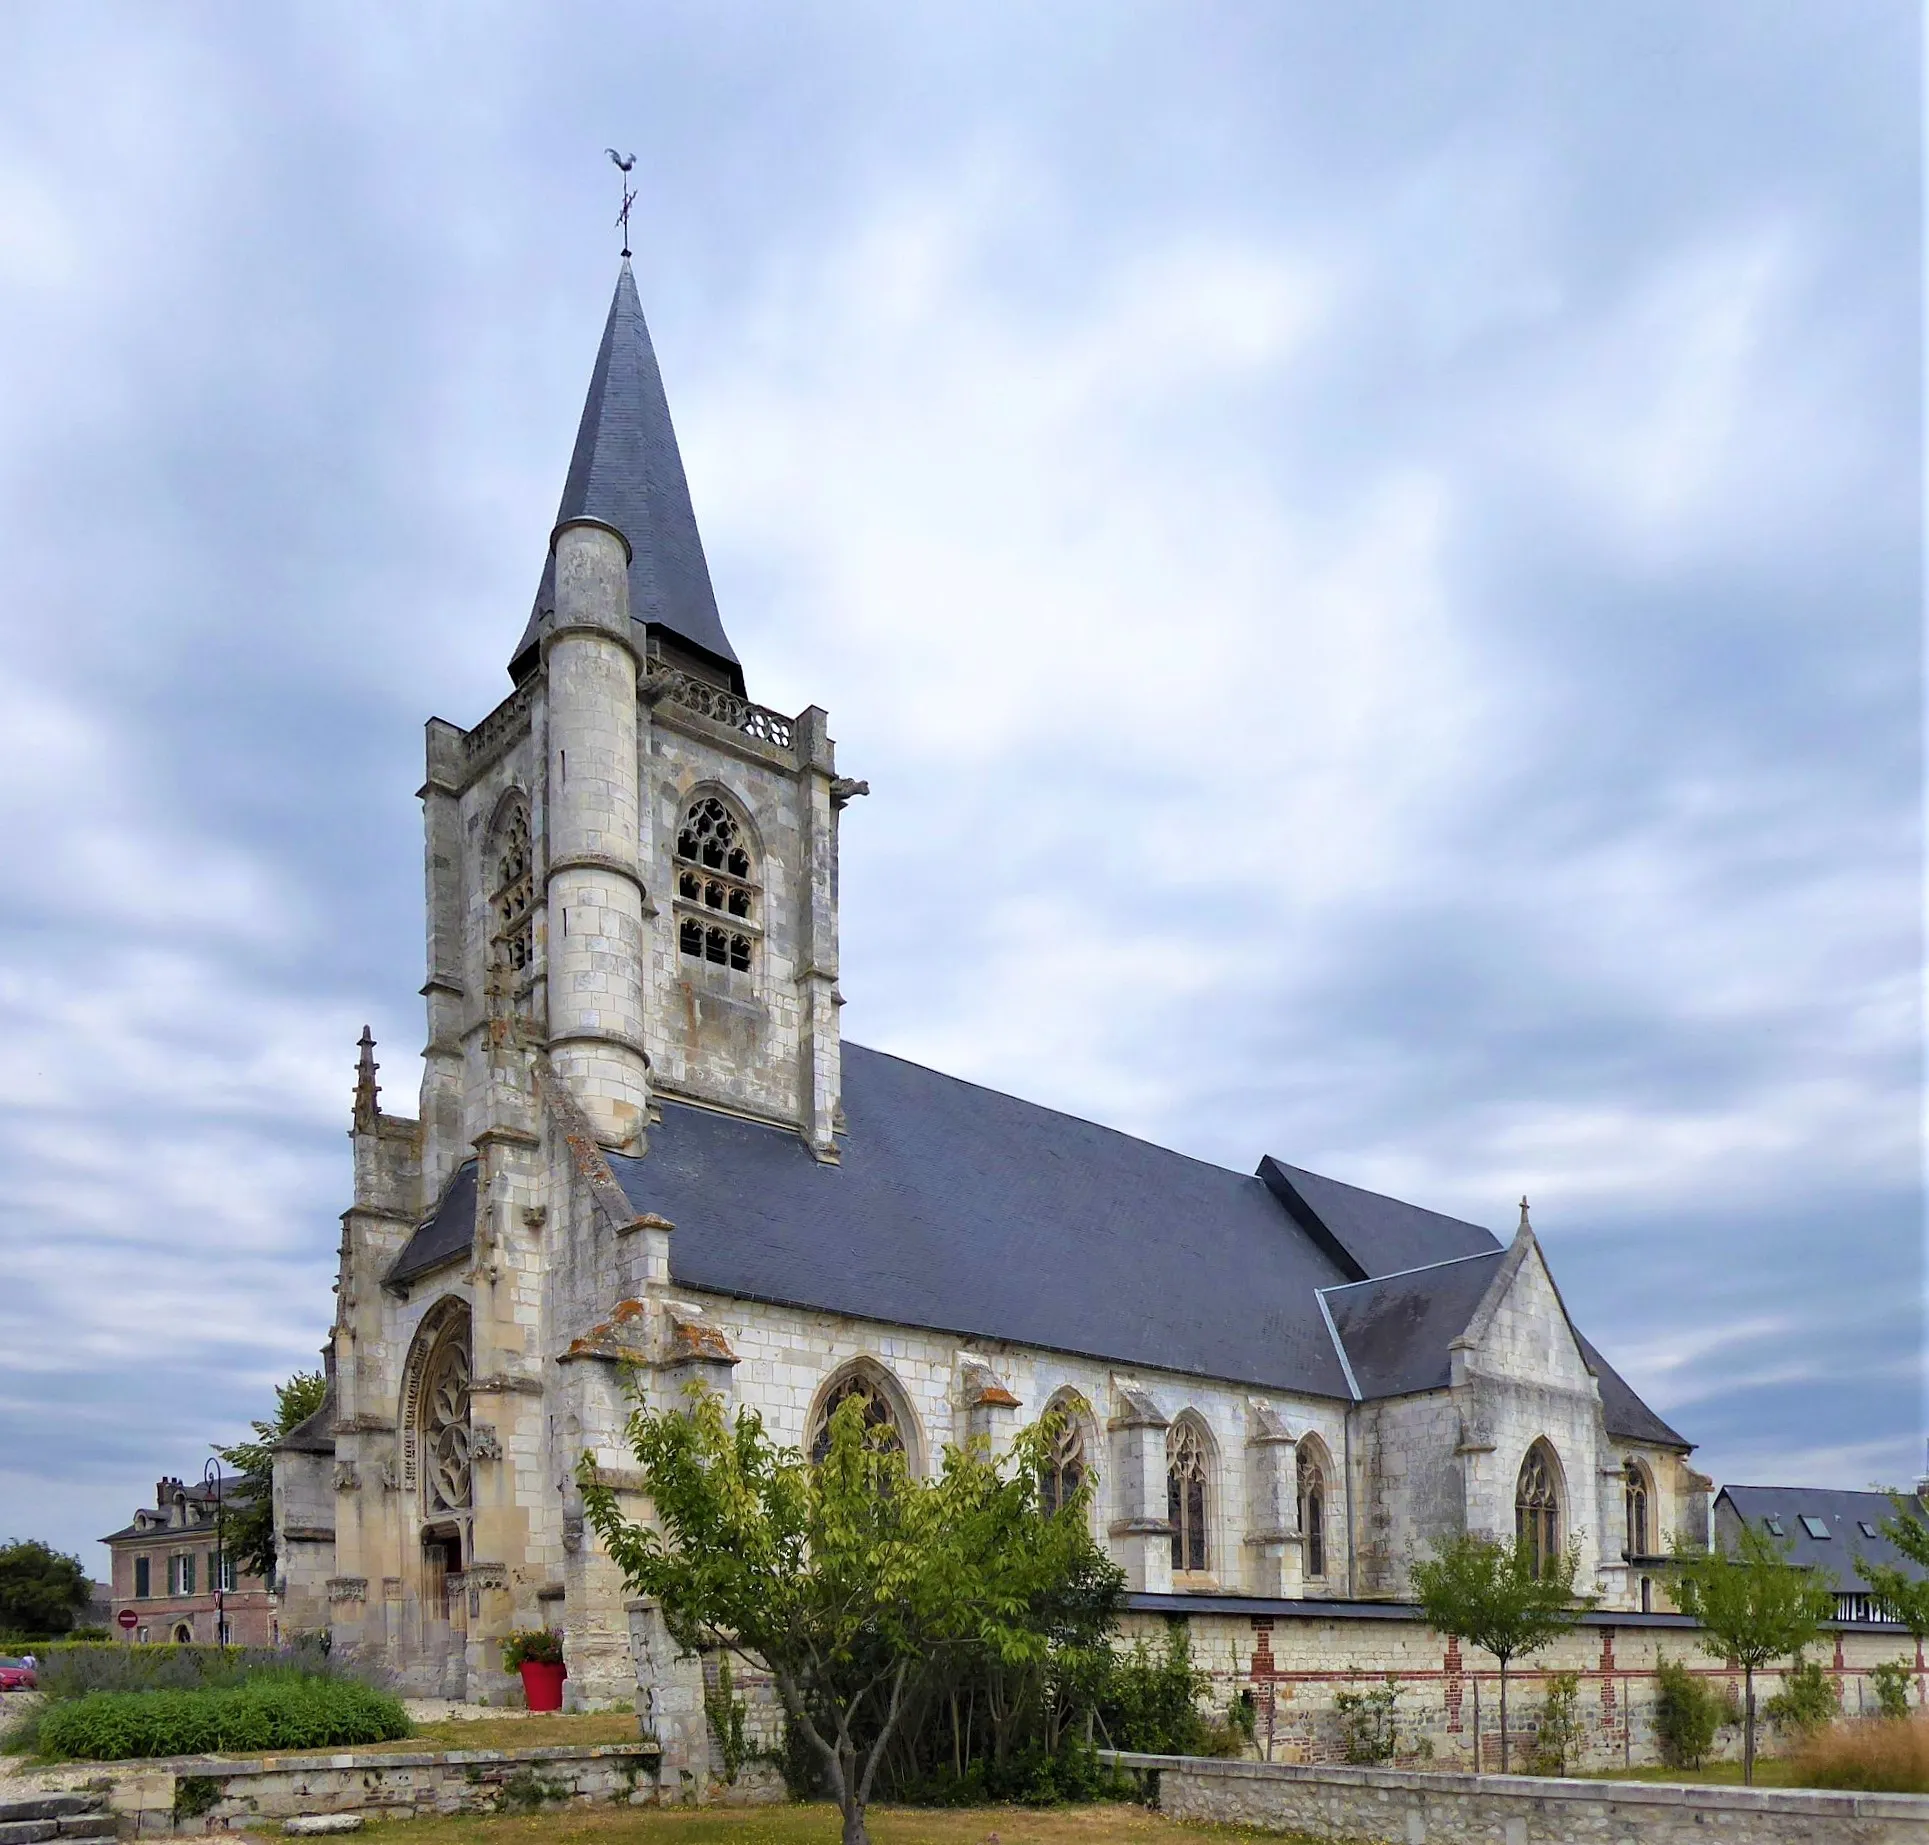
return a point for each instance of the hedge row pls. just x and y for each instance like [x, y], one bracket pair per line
[271, 1712]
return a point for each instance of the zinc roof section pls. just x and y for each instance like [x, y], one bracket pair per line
[627, 471]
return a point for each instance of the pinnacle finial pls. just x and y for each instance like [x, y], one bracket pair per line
[1524, 1224]
[366, 1089]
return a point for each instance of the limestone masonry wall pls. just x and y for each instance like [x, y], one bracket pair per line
[1370, 1804]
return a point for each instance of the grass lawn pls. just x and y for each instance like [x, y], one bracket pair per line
[817, 1824]
[1770, 1771]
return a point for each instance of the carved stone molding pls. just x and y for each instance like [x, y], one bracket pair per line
[347, 1478]
[484, 1443]
[348, 1588]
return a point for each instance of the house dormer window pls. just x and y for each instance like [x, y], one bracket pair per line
[716, 892]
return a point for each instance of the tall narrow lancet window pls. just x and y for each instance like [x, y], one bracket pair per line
[1635, 1494]
[512, 897]
[1187, 1465]
[1065, 1465]
[1312, 1515]
[714, 886]
[879, 1417]
[1537, 1508]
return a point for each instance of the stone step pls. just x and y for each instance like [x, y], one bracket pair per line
[70, 1827]
[52, 1806]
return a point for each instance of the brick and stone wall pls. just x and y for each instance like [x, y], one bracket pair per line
[1296, 1663]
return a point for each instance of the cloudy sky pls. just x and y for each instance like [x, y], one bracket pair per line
[1369, 554]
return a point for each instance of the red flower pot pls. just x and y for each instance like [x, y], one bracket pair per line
[542, 1683]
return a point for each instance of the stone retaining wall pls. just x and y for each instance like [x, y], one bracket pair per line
[1401, 1807]
[224, 1793]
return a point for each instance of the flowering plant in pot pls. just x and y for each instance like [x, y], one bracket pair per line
[537, 1654]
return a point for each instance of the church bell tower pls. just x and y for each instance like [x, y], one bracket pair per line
[632, 866]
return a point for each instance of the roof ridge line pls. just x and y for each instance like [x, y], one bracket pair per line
[1064, 1114]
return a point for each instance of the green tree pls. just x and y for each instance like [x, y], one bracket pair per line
[41, 1590]
[846, 1577]
[1905, 1594]
[248, 1515]
[1488, 1593]
[1753, 1605]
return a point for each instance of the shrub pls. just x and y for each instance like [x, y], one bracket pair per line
[1809, 1700]
[1874, 1757]
[272, 1711]
[535, 1646]
[1891, 1682]
[69, 1671]
[1558, 1736]
[1687, 1713]
[1368, 1729]
[1149, 1700]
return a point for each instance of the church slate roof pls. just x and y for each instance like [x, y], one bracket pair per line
[446, 1233]
[1374, 1234]
[1396, 1328]
[627, 471]
[964, 1210]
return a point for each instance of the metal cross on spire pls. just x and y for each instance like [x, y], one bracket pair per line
[623, 163]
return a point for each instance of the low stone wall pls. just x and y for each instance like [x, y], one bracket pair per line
[231, 1793]
[1402, 1807]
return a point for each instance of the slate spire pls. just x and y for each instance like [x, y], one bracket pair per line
[626, 472]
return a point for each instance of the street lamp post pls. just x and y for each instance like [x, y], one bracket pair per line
[211, 1479]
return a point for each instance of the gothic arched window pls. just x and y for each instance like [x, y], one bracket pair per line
[1312, 1513]
[880, 1417]
[435, 1412]
[1537, 1507]
[1634, 1492]
[1187, 1466]
[1065, 1466]
[713, 880]
[512, 897]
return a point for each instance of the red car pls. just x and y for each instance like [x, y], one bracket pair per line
[17, 1675]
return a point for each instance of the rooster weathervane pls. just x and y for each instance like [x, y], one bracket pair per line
[623, 164]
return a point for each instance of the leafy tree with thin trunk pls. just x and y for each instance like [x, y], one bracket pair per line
[41, 1588]
[1753, 1604]
[1489, 1593]
[1906, 1596]
[847, 1577]
[248, 1516]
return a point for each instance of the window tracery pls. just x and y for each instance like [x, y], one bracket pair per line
[879, 1417]
[1187, 1464]
[513, 898]
[1065, 1466]
[714, 873]
[1635, 1495]
[1312, 1514]
[1537, 1508]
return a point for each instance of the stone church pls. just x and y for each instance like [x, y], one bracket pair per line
[644, 1155]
